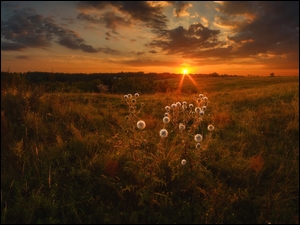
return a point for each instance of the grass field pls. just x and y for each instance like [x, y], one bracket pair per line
[80, 157]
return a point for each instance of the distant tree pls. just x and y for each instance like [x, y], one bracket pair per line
[214, 74]
[272, 74]
[102, 88]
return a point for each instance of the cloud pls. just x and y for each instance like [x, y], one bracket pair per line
[205, 21]
[181, 40]
[124, 13]
[153, 51]
[137, 53]
[272, 27]
[180, 9]
[22, 57]
[8, 46]
[140, 53]
[27, 29]
[108, 50]
[110, 19]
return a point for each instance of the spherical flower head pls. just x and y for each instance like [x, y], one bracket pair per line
[167, 108]
[141, 124]
[210, 127]
[178, 104]
[201, 95]
[201, 113]
[173, 105]
[184, 103]
[204, 108]
[133, 101]
[166, 119]
[198, 100]
[181, 126]
[198, 145]
[205, 98]
[125, 96]
[198, 137]
[136, 95]
[129, 95]
[183, 162]
[197, 109]
[167, 114]
[163, 133]
[191, 106]
[184, 106]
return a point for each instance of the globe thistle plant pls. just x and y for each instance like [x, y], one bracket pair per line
[181, 126]
[198, 137]
[210, 127]
[166, 119]
[141, 124]
[163, 133]
[183, 121]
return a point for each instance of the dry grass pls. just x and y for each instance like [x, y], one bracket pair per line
[74, 158]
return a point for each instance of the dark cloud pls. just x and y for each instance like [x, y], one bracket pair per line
[108, 50]
[110, 19]
[69, 20]
[8, 46]
[132, 12]
[153, 51]
[180, 40]
[137, 53]
[273, 26]
[75, 44]
[25, 29]
[22, 57]
[140, 53]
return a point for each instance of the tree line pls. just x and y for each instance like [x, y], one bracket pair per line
[100, 83]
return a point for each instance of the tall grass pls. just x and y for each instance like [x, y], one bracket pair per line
[80, 157]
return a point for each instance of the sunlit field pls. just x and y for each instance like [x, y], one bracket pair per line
[211, 150]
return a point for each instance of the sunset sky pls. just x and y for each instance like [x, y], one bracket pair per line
[235, 38]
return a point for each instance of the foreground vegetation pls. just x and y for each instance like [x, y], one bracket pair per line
[81, 158]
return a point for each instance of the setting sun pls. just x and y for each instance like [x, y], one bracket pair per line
[185, 71]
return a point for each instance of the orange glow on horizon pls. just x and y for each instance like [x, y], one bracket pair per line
[185, 71]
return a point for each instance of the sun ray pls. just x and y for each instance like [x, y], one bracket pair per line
[185, 72]
[193, 81]
[180, 83]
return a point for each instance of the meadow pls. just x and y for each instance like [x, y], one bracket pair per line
[105, 158]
